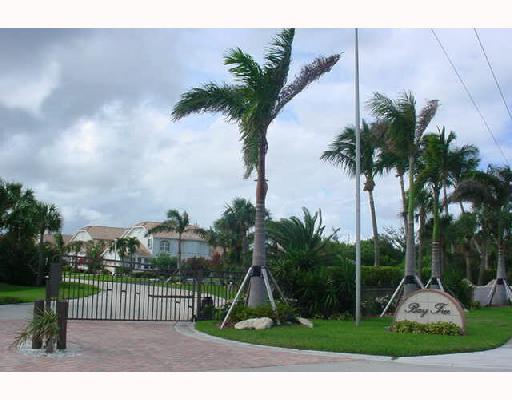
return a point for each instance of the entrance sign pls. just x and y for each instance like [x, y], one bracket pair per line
[430, 305]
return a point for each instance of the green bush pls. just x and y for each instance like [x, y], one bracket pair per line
[381, 277]
[434, 328]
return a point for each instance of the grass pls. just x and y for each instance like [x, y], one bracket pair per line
[10, 294]
[486, 328]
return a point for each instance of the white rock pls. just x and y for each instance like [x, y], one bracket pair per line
[255, 323]
[305, 322]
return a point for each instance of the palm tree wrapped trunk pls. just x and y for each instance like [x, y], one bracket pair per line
[257, 293]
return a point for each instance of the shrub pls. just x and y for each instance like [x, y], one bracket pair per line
[381, 277]
[44, 326]
[434, 328]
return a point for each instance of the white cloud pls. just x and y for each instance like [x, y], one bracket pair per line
[105, 150]
[28, 92]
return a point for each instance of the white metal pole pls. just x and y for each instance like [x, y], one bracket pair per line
[358, 186]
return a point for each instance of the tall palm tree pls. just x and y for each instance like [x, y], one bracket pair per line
[177, 222]
[405, 128]
[255, 99]
[493, 190]
[48, 218]
[342, 153]
[433, 175]
[132, 244]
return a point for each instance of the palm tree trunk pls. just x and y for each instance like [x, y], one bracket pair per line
[421, 233]
[39, 277]
[179, 252]
[445, 201]
[376, 250]
[410, 284]
[467, 260]
[436, 256]
[257, 288]
[404, 200]
[482, 251]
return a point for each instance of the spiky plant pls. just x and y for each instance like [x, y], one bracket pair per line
[44, 326]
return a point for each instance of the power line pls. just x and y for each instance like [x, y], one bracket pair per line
[470, 95]
[492, 72]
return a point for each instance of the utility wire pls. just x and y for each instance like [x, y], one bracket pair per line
[470, 96]
[492, 72]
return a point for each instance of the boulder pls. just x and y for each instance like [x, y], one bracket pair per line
[305, 322]
[255, 323]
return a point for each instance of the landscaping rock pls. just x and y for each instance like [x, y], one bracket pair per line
[305, 322]
[255, 323]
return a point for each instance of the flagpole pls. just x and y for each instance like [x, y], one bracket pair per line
[358, 185]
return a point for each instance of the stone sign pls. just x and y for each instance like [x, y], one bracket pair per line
[429, 305]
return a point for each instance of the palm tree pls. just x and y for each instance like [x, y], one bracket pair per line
[240, 216]
[120, 247]
[433, 175]
[391, 159]
[300, 244]
[48, 218]
[404, 130]
[132, 244]
[255, 99]
[493, 190]
[342, 153]
[177, 222]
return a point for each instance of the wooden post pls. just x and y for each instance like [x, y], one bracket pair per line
[62, 320]
[37, 342]
[53, 283]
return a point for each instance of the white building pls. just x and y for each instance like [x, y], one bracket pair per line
[151, 244]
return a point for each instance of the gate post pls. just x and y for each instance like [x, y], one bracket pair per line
[62, 321]
[53, 282]
[37, 342]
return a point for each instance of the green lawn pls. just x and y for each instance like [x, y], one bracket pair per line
[486, 328]
[24, 294]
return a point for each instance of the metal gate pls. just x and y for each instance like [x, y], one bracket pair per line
[130, 291]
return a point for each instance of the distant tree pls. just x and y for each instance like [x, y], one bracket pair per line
[177, 222]
[48, 219]
[342, 153]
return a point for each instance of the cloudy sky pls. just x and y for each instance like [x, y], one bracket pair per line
[85, 118]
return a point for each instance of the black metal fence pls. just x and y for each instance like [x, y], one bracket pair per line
[107, 289]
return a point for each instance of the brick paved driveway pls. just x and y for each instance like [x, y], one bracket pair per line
[142, 346]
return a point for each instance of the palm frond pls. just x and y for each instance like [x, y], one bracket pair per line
[243, 67]
[426, 115]
[227, 99]
[308, 74]
[277, 58]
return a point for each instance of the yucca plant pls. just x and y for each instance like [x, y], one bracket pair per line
[44, 326]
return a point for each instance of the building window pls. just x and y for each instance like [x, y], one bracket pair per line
[149, 243]
[164, 246]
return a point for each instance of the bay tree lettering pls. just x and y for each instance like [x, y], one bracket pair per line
[439, 308]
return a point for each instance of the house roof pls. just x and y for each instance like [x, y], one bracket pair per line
[49, 238]
[189, 233]
[103, 232]
[143, 251]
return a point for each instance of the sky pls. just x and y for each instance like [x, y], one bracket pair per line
[85, 118]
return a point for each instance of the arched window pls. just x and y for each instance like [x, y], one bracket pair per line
[164, 246]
